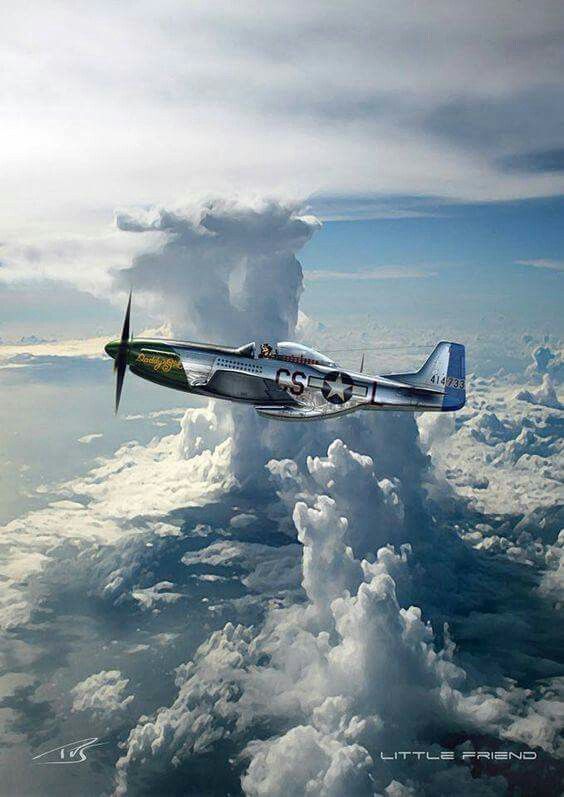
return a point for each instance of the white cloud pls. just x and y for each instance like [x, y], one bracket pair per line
[552, 265]
[172, 472]
[504, 450]
[151, 597]
[262, 568]
[318, 671]
[88, 438]
[87, 347]
[306, 761]
[83, 260]
[102, 693]
[547, 359]
[552, 583]
[545, 396]
[228, 269]
[242, 520]
[321, 673]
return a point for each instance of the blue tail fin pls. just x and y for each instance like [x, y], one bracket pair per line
[443, 372]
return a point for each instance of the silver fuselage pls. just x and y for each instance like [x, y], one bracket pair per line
[281, 386]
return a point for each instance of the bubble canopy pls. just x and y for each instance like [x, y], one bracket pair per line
[288, 348]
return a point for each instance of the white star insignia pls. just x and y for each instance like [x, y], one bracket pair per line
[337, 388]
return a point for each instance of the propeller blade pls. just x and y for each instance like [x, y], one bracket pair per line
[120, 368]
[125, 330]
[120, 364]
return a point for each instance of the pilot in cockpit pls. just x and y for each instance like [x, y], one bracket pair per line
[266, 350]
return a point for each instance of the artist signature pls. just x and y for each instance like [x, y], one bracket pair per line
[69, 753]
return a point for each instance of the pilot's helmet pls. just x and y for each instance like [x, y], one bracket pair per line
[266, 350]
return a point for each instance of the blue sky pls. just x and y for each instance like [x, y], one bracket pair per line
[496, 234]
[472, 259]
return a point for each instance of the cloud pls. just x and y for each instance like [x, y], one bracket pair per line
[552, 583]
[228, 268]
[306, 760]
[335, 620]
[42, 258]
[381, 273]
[351, 208]
[547, 359]
[88, 347]
[547, 160]
[151, 597]
[172, 472]
[552, 265]
[294, 101]
[318, 674]
[261, 568]
[545, 395]
[88, 438]
[227, 273]
[504, 450]
[102, 693]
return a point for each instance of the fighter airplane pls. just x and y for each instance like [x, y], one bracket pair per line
[288, 381]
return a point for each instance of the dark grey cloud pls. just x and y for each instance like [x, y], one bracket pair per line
[548, 160]
[499, 126]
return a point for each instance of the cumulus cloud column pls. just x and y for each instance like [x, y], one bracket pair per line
[227, 273]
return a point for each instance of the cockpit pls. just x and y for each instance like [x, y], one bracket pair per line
[295, 353]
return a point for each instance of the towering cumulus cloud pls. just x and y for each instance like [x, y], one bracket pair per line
[228, 269]
[227, 273]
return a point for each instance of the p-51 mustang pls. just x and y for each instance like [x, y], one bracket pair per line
[289, 381]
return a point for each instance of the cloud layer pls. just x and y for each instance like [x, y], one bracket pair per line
[309, 598]
[144, 106]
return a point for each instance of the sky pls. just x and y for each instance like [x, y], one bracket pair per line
[440, 132]
[506, 259]
[136, 106]
[367, 178]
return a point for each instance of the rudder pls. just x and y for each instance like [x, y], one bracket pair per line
[455, 385]
[444, 372]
